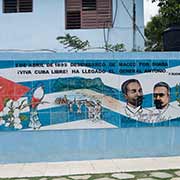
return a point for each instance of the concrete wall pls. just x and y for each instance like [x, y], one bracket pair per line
[39, 29]
[69, 145]
[83, 144]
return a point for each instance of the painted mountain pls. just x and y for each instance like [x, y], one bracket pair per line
[96, 84]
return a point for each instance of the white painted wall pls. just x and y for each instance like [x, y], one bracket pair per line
[39, 29]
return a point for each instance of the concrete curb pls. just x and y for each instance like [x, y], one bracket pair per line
[87, 167]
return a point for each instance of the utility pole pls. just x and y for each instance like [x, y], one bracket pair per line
[134, 25]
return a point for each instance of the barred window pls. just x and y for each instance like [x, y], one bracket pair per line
[17, 6]
[88, 14]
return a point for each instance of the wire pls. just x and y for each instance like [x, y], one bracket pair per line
[29, 50]
[132, 20]
[104, 34]
[115, 14]
[106, 37]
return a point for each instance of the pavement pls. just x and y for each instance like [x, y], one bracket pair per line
[136, 168]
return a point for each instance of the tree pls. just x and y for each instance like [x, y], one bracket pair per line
[153, 33]
[170, 11]
[74, 43]
[169, 14]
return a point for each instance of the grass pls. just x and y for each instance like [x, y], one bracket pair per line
[138, 175]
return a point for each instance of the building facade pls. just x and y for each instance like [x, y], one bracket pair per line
[35, 24]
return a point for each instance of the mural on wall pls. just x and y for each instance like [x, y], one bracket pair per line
[84, 94]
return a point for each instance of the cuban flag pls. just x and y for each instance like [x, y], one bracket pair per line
[10, 90]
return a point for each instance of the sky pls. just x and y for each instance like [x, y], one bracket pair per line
[150, 9]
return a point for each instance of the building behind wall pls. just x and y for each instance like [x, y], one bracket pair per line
[35, 24]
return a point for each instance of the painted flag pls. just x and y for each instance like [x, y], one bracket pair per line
[10, 90]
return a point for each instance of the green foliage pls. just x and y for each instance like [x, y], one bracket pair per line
[178, 93]
[170, 11]
[153, 33]
[73, 43]
[23, 117]
[115, 48]
[169, 14]
[5, 101]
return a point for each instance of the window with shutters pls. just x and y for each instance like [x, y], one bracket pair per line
[88, 5]
[88, 14]
[17, 6]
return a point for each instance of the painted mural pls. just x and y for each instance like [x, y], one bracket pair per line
[72, 94]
